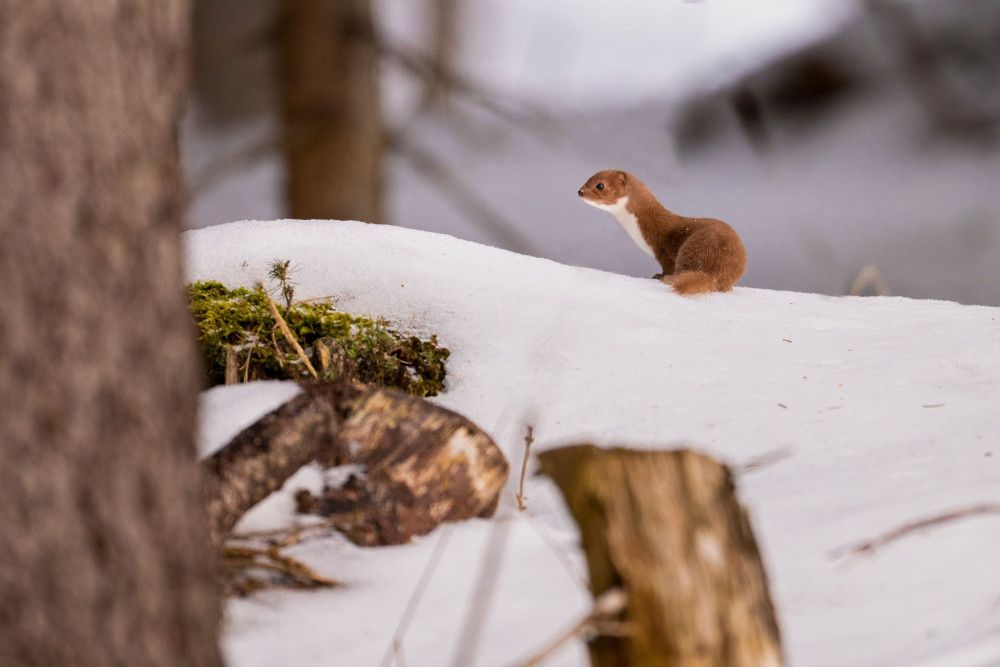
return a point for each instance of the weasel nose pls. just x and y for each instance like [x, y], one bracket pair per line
[580, 192]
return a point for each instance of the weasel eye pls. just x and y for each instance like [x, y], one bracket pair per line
[600, 186]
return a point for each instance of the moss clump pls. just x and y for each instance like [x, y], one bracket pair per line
[367, 350]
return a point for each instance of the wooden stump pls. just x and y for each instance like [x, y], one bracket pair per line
[666, 527]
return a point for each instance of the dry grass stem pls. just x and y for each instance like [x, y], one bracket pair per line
[528, 439]
[766, 459]
[395, 650]
[296, 574]
[601, 621]
[483, 593]
[563, 556]
[290, 337]
[870, 546]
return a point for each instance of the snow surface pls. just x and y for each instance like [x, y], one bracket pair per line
[866, 413]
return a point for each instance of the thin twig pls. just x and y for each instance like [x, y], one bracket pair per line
[397, 653]
[600, 620]
[561, 554]
[528, 439]
[332, 299]
[395, 646]
[253, 344]
[277, 350]
[287, 333]
[245, 558]
[435, 171]
[869, 546]
[229, 164]
[288, 535]
[514, 111]
[482, 594]
[766, 459]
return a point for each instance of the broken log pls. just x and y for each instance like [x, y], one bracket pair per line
[418, 464]
[421, 465]
[666, 527]
[262, 456]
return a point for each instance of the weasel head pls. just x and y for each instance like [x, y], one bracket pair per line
[610, 191]
[605, 189]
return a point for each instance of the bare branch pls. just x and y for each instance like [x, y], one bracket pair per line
[501, 230]
[482, 594]
[395, 647]
[239, 559]
[516, 112]
[606, 608]
[228, 164]
[557, 550]
[870, 546]
[528, 439]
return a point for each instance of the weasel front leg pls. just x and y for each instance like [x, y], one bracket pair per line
[666, 279]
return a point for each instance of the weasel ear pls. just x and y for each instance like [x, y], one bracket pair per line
[624, 177]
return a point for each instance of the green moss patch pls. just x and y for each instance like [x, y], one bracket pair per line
[237, 330]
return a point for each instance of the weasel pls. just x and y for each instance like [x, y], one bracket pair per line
[697, 254]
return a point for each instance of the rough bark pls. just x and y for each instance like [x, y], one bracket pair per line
[261, 457]
[332, 121]
[419, 464]
[667, 528]
[104, 554]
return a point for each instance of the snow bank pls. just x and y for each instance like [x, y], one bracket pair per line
[871, 411]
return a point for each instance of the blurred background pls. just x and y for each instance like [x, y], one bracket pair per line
[852, 144]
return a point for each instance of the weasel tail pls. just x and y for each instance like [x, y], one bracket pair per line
[694, 282]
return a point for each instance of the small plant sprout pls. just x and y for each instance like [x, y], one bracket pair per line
[280, 270]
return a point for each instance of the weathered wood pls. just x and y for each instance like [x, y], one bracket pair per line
[262, 456]
[667, 528]
[422, 464]
[232, 365]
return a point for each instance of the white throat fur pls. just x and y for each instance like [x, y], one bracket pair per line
[627, 220]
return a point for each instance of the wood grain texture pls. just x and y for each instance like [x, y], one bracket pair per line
[666, 527]
[418, 464]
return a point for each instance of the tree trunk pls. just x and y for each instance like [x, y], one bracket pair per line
[667, 528]
[333, 127]
[446, 23]
[104, 552]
